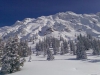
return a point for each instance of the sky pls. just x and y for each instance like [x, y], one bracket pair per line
[13, 10]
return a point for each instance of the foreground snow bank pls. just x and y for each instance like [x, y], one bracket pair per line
[62, 65]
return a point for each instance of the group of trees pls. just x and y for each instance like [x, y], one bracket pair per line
[64, 47]
[24, 50]
[12, 53]
[43, 46]
[51, 46]
[96, 47]
[13, 50]
[78, 47]
[85, 43]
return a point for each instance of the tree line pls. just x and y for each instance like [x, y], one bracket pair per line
[13, 50]
[78, 47]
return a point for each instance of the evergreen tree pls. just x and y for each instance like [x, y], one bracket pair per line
[49, 55]
[96, 47]
[24, 50]
[62, 50]
[80, 52]
[87, 41]
[55, 45]
[72, 47]
[65, 45]
[46, 46]
[38, 48]
[11, 60]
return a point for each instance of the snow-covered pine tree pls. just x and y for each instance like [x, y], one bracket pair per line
[24, 50]
[72, 47]
[42, 46]
[11, 60]
[62, 50]
[55, 45]
[80, 51]
[27, 50]
[38, 48]
[49, 55]
[87, 40]
[65, 45]
[45, 48]
[20, 52]
[96, 47]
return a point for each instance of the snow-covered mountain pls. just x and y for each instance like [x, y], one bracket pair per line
[65, 24]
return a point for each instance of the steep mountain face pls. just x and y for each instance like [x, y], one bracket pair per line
[65, 24]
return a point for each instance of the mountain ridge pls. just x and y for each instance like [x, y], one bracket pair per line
[65, 24]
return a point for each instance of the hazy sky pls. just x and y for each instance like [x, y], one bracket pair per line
[12, 10]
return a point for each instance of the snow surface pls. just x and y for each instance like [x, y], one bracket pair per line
[62, 65]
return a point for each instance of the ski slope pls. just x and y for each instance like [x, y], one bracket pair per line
[62, 65]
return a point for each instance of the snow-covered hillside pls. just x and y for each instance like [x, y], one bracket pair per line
[65, 24]
[62, 65]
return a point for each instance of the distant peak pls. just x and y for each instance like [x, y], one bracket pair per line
[17, 22]
[69, 12]
[28, 19]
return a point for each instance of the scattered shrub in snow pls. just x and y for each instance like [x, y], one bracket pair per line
[50, 55]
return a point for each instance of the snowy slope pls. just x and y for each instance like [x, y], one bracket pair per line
[62, 65]
[65, 24]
